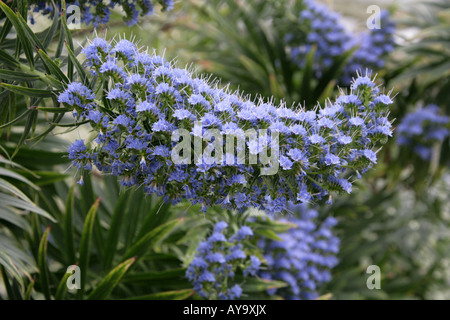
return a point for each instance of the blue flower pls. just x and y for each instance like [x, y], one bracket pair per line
[206, 276]
[421, 129]
[148, 100]
[331, 159]
[369, 154]
[77, 95]
[316, 139]
[217, 260]
[286, 163]
[235, 292]
[303, 257]
[215, 257]
[220, 226]
[95, 116]
[77, 149]
[356, 121]
[97, 13]
[254, 266]
[243, 232]
[362, 81]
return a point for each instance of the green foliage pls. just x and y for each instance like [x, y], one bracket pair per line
[31, 84]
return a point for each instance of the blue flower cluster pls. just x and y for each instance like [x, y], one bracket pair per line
[325, 32]
[98, 12]
[423, 128]
[213, 269]
[373, 48]
[143, 99]
[304, 256]
[330, 38]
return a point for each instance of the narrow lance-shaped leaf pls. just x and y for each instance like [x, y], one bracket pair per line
[68, 37]
[29, 33]
[85, 245]
[32, 92]
[25, 205]
[11, 75]
[23, 115]
[68, 227]
[42, 265]
[29, 125]
[52, 66]
[150, 239]
[114, 229]
[21, 35]
[7, 59]
[78, 66]
[168, 295]
[29, 290]
[62, 287]
[7, 264]
[6, 283]
[112, 279]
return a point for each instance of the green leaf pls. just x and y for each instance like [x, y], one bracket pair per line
[31, 123]
[11, 174]
[8, 215]
[17, 76]
[13, 189]
[68, 227]
[78, 66]
[68, 42]
[157, 277]
[62, 287]
[261, 285]
[21, 35]
[31, 92]
[151, 239]
[112, 279]
[270, 234]
[52, 110]
[29, 290]
[168, 295]
[8, 288]
[23, 115]
[7, 200]
[6, 28]
[45, 177]
[33, 157]
[113, 236]
[42, 265]
[7, 264]
[29, 33]
[7, 59]
[157, 216]
[52, 67]
[85, 245]
[50, 35]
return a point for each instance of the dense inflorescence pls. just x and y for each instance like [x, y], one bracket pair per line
[329, 37]
[373, 48]
[326, 33]
[141, 100]
[218, 258]
[304, 256]
[421, 129]
[98, 12]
